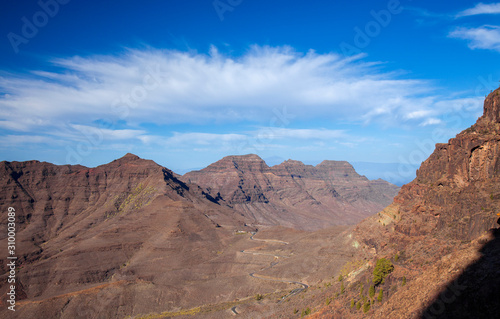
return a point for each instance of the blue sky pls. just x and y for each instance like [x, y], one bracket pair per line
[187, 82]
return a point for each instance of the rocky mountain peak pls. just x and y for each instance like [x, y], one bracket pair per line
[127, 158]
[291, 162]
[132, 161]
[293, 167]
[334, 164]
[491, 108]
[337, 169]
[240, 162]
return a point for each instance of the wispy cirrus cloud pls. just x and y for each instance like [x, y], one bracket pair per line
[480, 8]
[165, 87]
[307, 134]
[199, 138]
[485, 37]
[130, 101]
[259, 136]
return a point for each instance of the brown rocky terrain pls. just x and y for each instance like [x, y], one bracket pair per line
[441, 235]
[293, 194]
[110, 241]
[130, 239]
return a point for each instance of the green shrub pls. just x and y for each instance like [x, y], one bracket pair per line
[371, 291]
[380, 295]
[328, 301]
[352, 303]
[404, 281]
[366, 306]
[258, 297]
[361, 290]
[305, 312]
[383, 268]
[342, 288]
[396, 258]
[340, 277]
[358, 305]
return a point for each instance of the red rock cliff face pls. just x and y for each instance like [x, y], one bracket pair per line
[293, 194]
[456, 193]
[443, 223]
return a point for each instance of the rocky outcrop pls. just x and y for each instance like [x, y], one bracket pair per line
[293, 194]
[443, 228]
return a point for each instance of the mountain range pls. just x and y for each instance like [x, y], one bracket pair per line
[293, 194]
[106, 231]
[132, 239]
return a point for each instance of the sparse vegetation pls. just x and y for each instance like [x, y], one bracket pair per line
[305, 312]
[366, 306]
[371, 291]
[396, 257]
[352, 303]
[342, 288]
[258, 297]
[380, 295]
[358, 305]
[328, 300]
[404, 281]
[341, 277]
[383, 268]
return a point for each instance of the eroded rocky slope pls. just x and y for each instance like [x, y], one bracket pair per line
[441, 234]
[119, 239]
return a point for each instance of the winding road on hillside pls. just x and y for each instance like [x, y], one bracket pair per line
[274, 263]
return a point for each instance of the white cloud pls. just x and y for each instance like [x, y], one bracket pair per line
[418, 114]
[260, 136]
[165, 87]
[23, 140]
[303, 134]
[480, 8]
[431, 121]
[188, 139]
[484, 37]
[91, 132]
